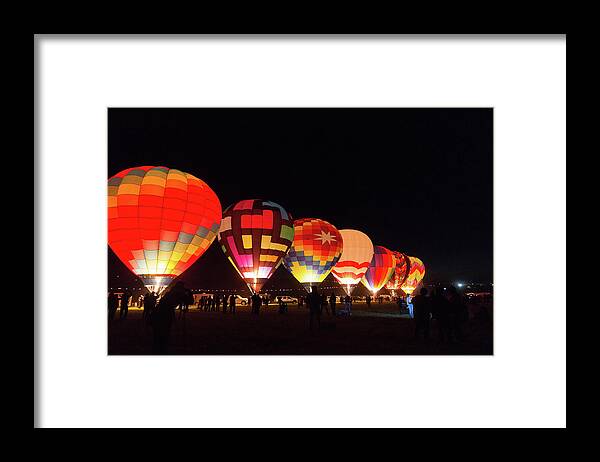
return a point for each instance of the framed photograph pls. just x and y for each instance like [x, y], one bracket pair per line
[317, 227]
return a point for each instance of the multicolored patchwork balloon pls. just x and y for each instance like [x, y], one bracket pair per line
[160, 221]
[416, 272]
[317, 247]
[400, 272]
[255, 235]
[355, 259]
[380, 270]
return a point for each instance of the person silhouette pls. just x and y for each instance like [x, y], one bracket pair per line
[368, 300]
[324, 304]
[332, 303]
[149, 305]
[232, 304]
[314, 307]
[256, 301]
[422, 313]
[348, 305]
[113, 305]
[163, 317]
[124, 304]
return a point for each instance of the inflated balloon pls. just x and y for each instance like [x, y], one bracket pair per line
[160, 221]
[317, 247]
[380, 269]
[416, 272]
[400, 272]
[255, 235]
[355, 259]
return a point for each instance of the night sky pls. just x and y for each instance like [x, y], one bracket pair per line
[419, 181]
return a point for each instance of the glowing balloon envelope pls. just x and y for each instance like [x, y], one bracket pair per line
[416, 272]
[400, 272]
[255, 235]
[355, 259]
[317, 247]
[160, 221]
[380, 269]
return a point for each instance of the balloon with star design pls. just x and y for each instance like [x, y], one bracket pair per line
[317, 247]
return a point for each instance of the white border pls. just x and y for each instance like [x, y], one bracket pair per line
[523, 384]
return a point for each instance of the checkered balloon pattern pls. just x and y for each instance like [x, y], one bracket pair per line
[380, 270]
[160, 221]
[255, 235]
[355, 259]
[400, 272]
[416, 272]
[317, 247]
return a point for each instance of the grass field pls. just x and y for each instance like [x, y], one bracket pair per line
[380, 330]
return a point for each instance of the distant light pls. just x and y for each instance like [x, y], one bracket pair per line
[460, 284]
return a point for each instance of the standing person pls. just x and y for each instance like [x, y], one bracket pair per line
[113, 305]
[280, 301]
[422, 311]
[149, 303]
[324, 304]
[410, 306]
[163, 318]
[124, 304]
[332, 303]
[348, 304]
[368, 300]
[217, 302]
[213, 302]
[256, 301]
[224, 304]
[232, 304]
[314, 306]
[189, 299]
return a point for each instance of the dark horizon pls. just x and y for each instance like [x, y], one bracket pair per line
[419, 181]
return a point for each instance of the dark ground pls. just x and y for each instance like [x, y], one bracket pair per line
[379, 331]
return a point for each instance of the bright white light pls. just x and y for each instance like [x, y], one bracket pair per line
[460, 284]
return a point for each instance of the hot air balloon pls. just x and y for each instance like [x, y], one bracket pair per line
[380, 269]
[416, 272]
[317, 247]
[160, 221]
[400, 272]
[255, 235]
[355, 259]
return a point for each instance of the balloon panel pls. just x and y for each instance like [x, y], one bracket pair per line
[400, 271]
[380, 270]
[317, 247]
[355, 259]
[160, 220]
[416, 273]
[255, 235]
